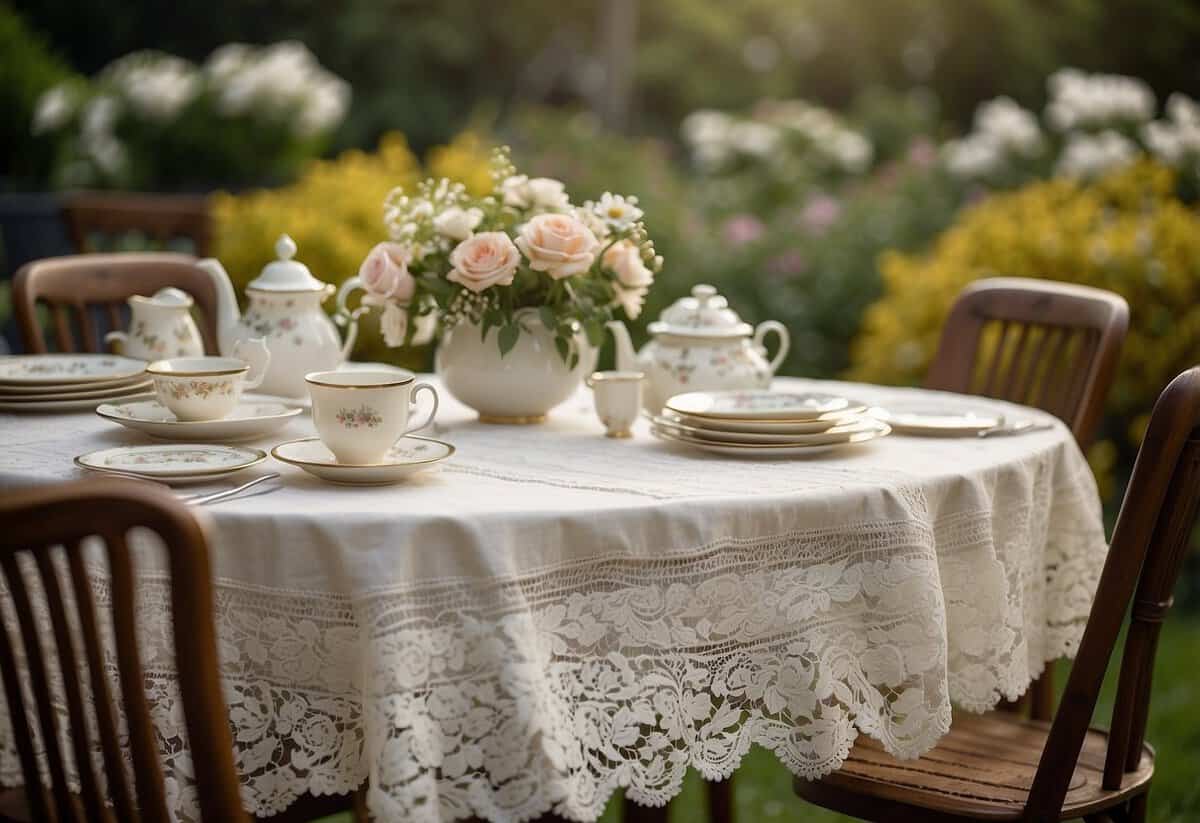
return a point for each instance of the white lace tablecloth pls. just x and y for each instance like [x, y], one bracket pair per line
[553, 614]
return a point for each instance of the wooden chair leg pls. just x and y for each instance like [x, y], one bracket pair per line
[361, 815]
[720, 801]
[1137, 807]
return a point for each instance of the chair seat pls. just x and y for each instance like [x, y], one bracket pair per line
[981, 770]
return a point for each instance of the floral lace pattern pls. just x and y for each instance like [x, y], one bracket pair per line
[510, 697]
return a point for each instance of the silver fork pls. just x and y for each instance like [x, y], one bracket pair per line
[216, 497]
[1019, 427]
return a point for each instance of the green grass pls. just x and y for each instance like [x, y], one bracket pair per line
[764, 787]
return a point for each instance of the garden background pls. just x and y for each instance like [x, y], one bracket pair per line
[844, 167]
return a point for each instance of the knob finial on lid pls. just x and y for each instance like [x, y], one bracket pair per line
[285, 247]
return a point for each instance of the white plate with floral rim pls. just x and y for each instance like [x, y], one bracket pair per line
[935, 422]
[763, 404]
[841, 432]
[774, 427]
[410, 454]
[246, 422]
[175, 462]
[14, 392]
[767, 450]
[134, 387]
[66, 406]
[66, 369]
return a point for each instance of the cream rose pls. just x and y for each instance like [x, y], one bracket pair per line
[547, 193]
[484, 260]
[456, 223]
[625, 260]
[558, 244]
[393, 323]
[384, 273]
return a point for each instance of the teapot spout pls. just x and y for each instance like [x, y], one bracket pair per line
[228, 313]
[626, 358]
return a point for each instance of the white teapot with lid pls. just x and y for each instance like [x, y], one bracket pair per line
[159, 327]
[700, 344]
[285, 309]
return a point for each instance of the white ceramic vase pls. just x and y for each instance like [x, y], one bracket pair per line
[520, 387]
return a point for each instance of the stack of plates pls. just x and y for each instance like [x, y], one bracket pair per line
[68, 382]
[763, 423]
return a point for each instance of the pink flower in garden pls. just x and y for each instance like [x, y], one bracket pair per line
[922, 152]
[742, 229]
[384, 273]
[786, 263]
[820, 212]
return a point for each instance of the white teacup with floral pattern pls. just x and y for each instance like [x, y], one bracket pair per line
[207, 388]
[359, 415]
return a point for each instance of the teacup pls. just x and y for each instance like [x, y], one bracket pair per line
[203, 388]
[359, 415]
[618, 396]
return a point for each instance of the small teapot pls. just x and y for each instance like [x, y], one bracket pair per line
[700, 344]
[159, 327]
[285, 309]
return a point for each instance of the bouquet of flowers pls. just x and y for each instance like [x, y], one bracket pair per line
[454, 258]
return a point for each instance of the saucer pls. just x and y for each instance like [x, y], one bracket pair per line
[410, 455]
[936, 422]
[249, 420]
[763, 405]
[175, 462]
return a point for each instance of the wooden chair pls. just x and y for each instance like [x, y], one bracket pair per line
[162, 221]
[34, 524]
[86, 295]
[1050, 345]
[1045, 344]
[1004, 767]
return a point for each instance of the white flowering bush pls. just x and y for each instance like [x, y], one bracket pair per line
[762, 158]
[453, 257]
[1092, 124]
[154, 120]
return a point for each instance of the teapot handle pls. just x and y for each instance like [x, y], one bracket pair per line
[785, 340]
[345, 317]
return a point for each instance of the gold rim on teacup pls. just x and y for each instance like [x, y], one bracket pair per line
[313, 378]
[160, 368]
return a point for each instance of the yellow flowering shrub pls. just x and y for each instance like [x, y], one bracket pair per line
[1127, 233]
[334, 212]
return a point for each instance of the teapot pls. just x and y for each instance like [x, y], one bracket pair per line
[700, 344]
[285, 309]
[159, 327]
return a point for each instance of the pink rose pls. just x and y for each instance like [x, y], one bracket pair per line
[558, 244]
[384, 273]
[625, 260]
[484, 260]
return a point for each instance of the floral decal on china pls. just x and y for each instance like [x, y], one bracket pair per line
[362, 417]
[184, 389]
[453, 257]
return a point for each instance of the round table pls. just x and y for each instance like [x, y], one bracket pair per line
[554, 614]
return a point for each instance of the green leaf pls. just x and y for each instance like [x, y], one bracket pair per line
[594, 330]
[486, 326]
[564, 348]
[574, 361]
[508, 337]
[549, 320]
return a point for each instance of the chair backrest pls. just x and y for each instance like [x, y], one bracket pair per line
[1045, 344]
[106, 221]
[42, 539]
[86, 294]
[1144, 560]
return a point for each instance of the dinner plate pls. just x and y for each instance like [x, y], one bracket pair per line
[936, 422]
[63, 406]
[9, 390]
[248, 420]
[132, 387]
[410, 455]
[173, 461]
[66, 369]
[839, 433]
[765, 450]
[762, 404]
[783, 427]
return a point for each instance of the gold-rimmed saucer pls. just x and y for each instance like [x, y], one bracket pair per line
[410, 454]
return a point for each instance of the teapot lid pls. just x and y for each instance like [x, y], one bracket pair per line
[704, 314]
[285, 274]
[166, 297]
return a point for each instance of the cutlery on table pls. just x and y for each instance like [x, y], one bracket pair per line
[216, 497]
[1019, 427]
